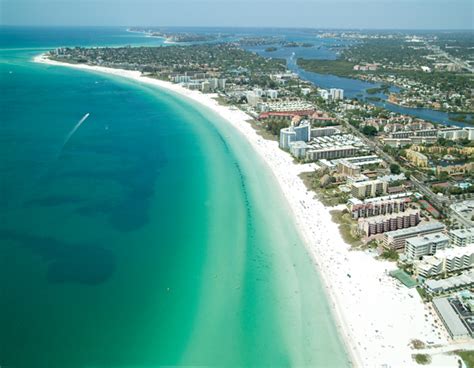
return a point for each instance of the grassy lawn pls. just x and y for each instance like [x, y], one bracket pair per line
[221, 101]
[261, 131]
[422, 359]
[467, 357]
[346, 225]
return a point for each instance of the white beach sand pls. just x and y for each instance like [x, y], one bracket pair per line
[377, 316]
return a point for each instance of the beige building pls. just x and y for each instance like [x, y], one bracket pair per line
[331, 153]
[455, 169]
[381, 224]
[348, 168]
[370, 188]
[417, 158]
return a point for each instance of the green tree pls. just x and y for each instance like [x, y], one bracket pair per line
[395, 169]
[369, 130]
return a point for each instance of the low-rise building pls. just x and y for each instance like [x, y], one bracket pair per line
[425, 245]
[397, 239]
[298, 149]
[455, 168]
[330, 152]
[456, 133]
[324, 132]
[352, 166]
[462, 213]
[445, 261]
[417, 158]
[464, 280]
[461, 237]
[454, 325]
[397, 142]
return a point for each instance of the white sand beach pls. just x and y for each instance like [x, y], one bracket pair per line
[377, 316]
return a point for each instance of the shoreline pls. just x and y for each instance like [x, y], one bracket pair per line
[375, 318]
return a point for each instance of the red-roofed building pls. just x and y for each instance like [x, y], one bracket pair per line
[287, 115]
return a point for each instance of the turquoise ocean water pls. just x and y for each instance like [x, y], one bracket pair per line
[152, 237]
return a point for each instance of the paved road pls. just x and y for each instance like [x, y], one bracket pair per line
[438, 201]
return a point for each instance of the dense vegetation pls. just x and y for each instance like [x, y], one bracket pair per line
[224, 60]
[420, 69]
[338, 67]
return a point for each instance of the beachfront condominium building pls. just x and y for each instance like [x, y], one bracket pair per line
[182, 79]
[214, 82]
[450, 317]
[397, 239]
[378, 206]
[369, 188]
[464, 280]
[287, 135]
[461, 237]
[445, 261]
[205, 87]
[383, 223]
[302, 133]
[425, 245]
[330, 152]
[298, 149]
[221, 84]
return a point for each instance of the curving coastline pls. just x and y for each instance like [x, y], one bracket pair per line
[375, 318]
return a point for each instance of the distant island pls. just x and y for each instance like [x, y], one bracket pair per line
[175, 37]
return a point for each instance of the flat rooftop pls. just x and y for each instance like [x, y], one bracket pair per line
[464, 210]
[429, 238]
[432, 226]
[463, 233]
[465, 278]
[456, 251]
[450, 317]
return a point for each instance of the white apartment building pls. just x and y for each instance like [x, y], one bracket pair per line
[336, 94]
[425, 245]
[461, 237]
[445, 261]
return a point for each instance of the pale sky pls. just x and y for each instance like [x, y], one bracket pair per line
[379, 14]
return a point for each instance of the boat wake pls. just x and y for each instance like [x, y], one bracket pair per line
[76, 127]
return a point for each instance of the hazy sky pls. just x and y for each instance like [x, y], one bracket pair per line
[412, 14]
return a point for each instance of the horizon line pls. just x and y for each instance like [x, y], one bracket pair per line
[242, 27]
